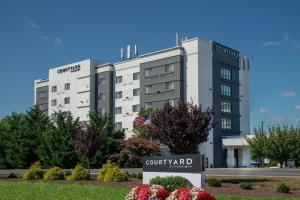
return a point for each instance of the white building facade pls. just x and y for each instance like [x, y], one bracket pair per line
[203, 72]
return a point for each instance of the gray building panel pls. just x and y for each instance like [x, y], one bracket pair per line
[107, 89]
[158, 80]
[42, 98]
[224, 57]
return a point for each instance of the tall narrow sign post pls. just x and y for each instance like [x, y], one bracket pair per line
[189, 166]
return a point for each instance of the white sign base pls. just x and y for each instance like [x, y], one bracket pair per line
[196, 179]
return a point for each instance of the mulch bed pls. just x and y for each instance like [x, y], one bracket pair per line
[227, 188]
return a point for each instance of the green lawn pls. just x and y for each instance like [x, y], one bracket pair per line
[54, 191]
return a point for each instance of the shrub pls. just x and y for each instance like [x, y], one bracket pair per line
[147, 191]
[170, 183]
[34, 172]
[140, 175]
[54, 173]
[12, 175]
[111, 172]
[213, 182]
[190, 193]
[246, 186]
[79, 173]
[282, 188]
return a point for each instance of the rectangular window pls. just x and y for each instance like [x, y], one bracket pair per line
[148, 72]
[148, 104]
[148, 89]
[66, 113]
[226, 73]
[226, 124]
[169, 68]
[67, 86]
[136, 76]
[119, 95]
[119, 79]
[102, 96]
[118, 110]
[226, 106]
[136, 108]
[136, 92]
[53, 116]
[67, 100]
[102, 81]
[226, 90]
[118, 125]
[54, 88]
[169, 86]
[53, 102]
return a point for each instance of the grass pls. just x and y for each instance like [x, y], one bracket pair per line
[269, 182]
[54, 191]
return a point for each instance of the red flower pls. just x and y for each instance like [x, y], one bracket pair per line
[162, 194]
[204, 195]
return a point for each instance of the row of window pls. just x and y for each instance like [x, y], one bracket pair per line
[66, 101]
[65, 113]
[119, 79]
[168, 86]
[54, 87]
[226, 123]
[226, 74]
[135, 108]
[168, 69]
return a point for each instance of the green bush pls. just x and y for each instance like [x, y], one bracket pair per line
[79, 173]
[111, 172]
[170, 183]
[246, 186]
[140, 175]
[213, 182]
[54, 173]
[34, 172]
[282, 188]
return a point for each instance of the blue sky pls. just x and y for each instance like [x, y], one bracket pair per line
[38, 35]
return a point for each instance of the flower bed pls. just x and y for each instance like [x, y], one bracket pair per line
[146, 192]
[157, 192]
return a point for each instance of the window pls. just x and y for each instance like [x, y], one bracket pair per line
[148, 89]
[102, 96]
[148, 72]
[102, 110]
[169, 68]
[43, 95]
[135, 108]
[226, 73]
[54, 88]
[136, 92]
[102, 81]
[118, 110]
[67, 86]
[226, 123]
[66, 113]
[226, 106]
[118, 125]
[119, 95]
[169, 85]
[67, 100]
[119, 79]
[53, 116]
[53, 102]
[148, 104]
[226, 90]
[136, 76]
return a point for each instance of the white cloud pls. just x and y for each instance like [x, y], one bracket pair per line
[33, 25]
[57, 41]
[263, 110]
[288, 93]
[297, 107]
[270, 44]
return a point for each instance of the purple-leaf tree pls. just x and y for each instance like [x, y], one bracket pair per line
[181, 127]
[88, 140]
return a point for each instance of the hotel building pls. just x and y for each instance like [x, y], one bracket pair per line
[206, 73]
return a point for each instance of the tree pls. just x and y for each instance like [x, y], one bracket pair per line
[132, 152]
[56, 147]
[257, 145]
[88, 140]
[182, 127]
